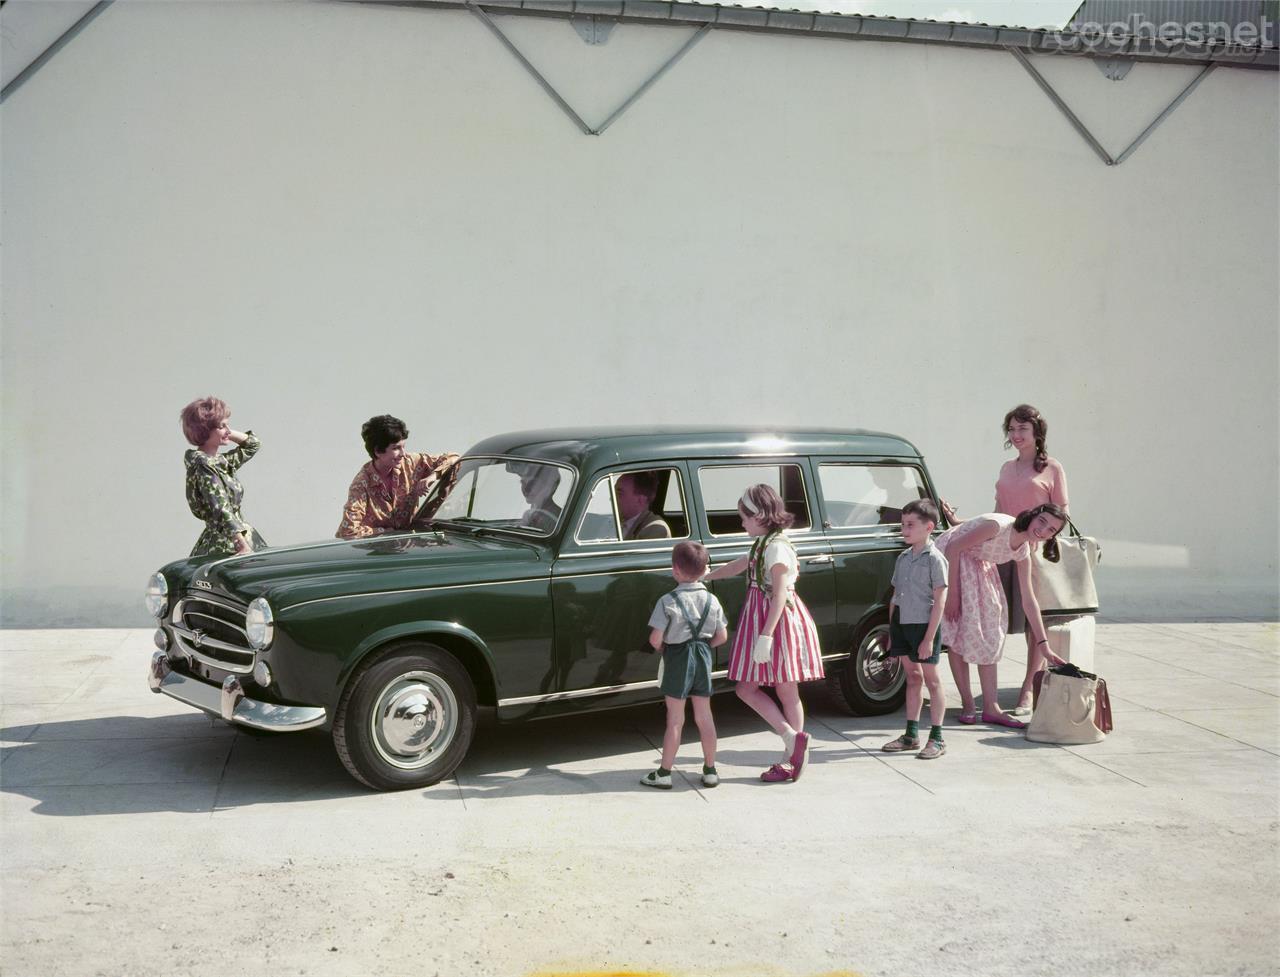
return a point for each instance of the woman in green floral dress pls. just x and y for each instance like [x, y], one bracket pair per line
[213, 491]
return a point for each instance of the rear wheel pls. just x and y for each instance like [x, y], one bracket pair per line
[870, 682]
[406, 720]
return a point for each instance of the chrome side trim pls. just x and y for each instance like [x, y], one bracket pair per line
[421, 590]
[526, 700]
[744, 538]
[620, 552]
[246, 711]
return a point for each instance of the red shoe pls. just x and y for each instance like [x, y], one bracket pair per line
[777, 774]
[799, 755]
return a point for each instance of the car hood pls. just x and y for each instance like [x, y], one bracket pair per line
[290, 575]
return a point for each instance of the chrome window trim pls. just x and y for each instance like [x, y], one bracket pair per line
[613, 507]
[808, 499]
[872, 529]
[807, 536]
[617, 516]
[619, 552]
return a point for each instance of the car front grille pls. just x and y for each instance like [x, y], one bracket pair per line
[211, 630]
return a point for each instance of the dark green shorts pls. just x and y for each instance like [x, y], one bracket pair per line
[686, 669]
[904, 639]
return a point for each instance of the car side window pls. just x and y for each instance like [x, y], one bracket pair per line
[868, 495]
[723, 485]
[645, 504]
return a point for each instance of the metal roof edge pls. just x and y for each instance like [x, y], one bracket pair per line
[771, 20]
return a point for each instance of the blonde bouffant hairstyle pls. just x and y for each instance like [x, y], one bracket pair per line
[200, 418]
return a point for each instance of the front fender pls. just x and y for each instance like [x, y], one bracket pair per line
[416, 629]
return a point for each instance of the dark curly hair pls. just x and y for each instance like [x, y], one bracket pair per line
[381, 432]
[1025, 518]
[1029, 415]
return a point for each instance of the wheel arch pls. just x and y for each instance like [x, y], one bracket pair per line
[462, 643]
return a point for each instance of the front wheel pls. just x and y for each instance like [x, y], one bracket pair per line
[870, 681]
[406, 720]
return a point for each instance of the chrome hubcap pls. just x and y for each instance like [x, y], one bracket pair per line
[414, 720]
[878, 674]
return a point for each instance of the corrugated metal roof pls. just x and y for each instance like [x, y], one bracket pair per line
[869, 28]
[1230, 14]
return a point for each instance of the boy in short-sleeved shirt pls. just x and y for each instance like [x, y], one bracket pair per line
[686, 624]
[915, 613]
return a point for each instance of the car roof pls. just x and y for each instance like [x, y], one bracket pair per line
[589, 448]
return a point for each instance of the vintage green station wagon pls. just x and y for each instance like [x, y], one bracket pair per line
[528, 590]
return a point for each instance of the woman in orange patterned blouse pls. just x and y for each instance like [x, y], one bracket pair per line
[385, 492]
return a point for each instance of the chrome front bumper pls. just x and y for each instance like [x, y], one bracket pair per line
[229, 701]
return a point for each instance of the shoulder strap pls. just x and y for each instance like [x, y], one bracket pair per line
[763, 542]
[694, 629]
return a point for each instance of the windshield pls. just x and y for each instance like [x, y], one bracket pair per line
[525, 496]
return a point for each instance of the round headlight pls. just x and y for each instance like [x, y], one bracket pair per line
[157, 595]
[259, 625]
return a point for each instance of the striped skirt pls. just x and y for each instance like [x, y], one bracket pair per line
[796, 655]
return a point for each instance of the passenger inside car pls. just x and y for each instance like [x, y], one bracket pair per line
[635, 493]
[537, 485]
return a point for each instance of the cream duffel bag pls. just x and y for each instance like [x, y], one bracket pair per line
[1069, 708]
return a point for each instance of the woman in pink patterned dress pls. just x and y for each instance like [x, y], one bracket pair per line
[776, 642]
[976, 617]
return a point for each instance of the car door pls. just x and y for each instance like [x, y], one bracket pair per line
[718, 484]
[604, 586]
[861, 500]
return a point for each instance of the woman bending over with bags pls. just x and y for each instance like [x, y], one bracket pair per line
[1029, 480]
[976, 616]
[776, 642]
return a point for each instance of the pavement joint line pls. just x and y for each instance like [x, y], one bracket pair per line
[1191, 671]
[1165, 631]
[875, 756]
[1233, 739]
[683, 776]
[457, 782]
[1102, 766]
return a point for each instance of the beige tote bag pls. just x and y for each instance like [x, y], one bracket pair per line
[1065, 711]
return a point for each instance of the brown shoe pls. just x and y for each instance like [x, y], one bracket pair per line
[932, 750]
[901, 744]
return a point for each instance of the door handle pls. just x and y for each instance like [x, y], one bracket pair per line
[825, 558]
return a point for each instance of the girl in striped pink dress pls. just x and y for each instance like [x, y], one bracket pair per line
[776, 643]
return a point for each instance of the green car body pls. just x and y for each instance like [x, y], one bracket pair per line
[392, 642]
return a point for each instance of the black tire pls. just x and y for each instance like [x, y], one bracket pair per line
[869, 681]
[406, 720]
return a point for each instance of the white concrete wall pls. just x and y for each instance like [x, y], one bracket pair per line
[320, 212]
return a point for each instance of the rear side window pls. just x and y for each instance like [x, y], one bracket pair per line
[868, 495]
[723, 485]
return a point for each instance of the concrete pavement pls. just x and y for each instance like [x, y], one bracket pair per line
[139, 837]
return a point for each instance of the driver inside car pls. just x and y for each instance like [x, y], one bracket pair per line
[636, 492]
